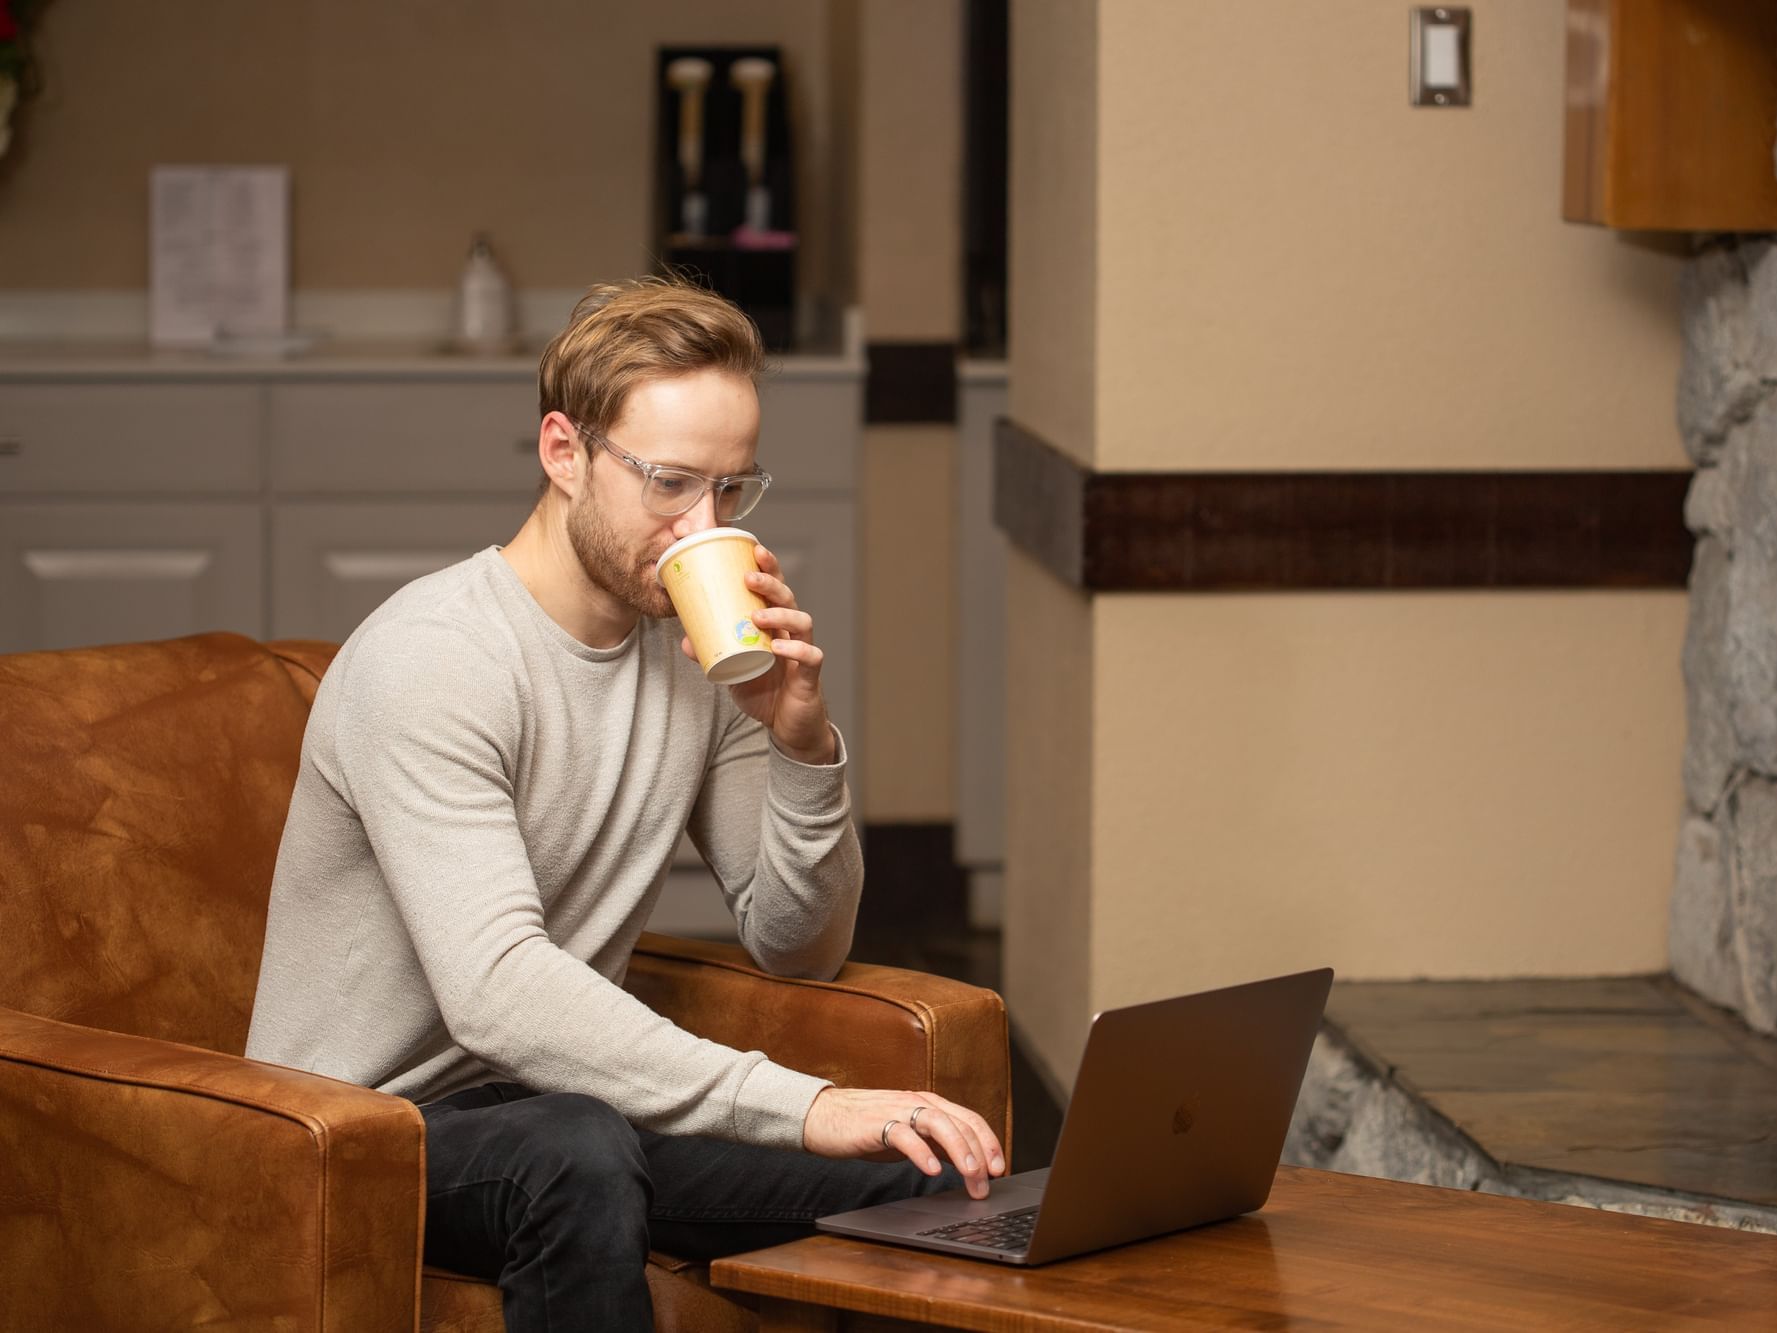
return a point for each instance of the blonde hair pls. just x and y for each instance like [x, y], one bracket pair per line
[622, 334]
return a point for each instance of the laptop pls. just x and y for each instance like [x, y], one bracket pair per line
[1178, 1118]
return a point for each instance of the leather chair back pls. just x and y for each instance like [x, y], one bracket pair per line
[143, 790]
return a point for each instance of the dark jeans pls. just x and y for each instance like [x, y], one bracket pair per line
[558, 1199]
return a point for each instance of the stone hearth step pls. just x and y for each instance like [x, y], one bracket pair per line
[1625, 1093]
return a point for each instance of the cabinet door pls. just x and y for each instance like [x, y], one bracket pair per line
[333, 564]
[78, 574]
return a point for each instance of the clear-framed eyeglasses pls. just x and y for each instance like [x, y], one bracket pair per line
[671, 491]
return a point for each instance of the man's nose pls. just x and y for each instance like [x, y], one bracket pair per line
[699, 518]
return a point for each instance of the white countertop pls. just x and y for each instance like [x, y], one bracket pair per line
[349, 334]
[385, 358]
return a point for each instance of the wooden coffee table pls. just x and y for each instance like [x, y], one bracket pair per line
[1327, 1251]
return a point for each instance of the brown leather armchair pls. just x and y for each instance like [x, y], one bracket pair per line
[152, 1177]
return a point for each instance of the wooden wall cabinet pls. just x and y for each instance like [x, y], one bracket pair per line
[1671, 114]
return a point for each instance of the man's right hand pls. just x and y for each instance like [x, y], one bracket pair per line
[849, 1122]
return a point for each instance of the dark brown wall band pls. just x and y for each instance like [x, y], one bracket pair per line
[1301, 531]
[910, 383]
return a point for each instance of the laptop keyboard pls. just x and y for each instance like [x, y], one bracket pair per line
[1002, 1231]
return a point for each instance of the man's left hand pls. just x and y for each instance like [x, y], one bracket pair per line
[787, 699]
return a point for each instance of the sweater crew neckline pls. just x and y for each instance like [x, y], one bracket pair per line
[510, 588]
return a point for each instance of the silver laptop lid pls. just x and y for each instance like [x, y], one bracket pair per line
[1179, 1113]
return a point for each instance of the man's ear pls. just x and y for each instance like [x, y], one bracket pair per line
[558, 450]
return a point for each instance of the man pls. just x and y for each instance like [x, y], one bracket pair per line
[496, 771]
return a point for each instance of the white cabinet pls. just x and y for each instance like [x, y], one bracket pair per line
[79, 573]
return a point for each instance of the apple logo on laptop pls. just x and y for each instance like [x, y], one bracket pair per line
[1186, 1115]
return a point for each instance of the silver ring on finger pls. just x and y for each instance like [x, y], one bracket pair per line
[885, 1131]
[913, 1118]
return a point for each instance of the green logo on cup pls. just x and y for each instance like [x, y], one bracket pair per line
[678, 568]
[745, 632]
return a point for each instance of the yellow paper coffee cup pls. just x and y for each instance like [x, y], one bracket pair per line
[705, 575]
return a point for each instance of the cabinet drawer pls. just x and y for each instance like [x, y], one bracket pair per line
[418, 437]
[128, 438]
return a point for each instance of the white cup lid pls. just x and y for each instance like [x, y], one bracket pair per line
[697, 538]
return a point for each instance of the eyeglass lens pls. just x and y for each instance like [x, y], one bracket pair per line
[669, 493]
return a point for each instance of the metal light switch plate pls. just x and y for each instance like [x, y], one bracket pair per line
[1438, 56]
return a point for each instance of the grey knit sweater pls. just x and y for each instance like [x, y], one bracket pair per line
[484, 814]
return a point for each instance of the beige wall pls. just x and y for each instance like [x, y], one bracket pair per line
[1297, 269]
[1052, 769]
[1293, 269]
[909, 248]
[910, 169]
[1053, 245]
[407, 124]
[844, 67]
[909, 613]
[1400, 785]
[1052, 261]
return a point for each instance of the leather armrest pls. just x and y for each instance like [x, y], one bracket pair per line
[147, 1184]
[870, 1027]
[306, 660]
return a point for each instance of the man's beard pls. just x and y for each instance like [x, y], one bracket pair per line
[610, 567]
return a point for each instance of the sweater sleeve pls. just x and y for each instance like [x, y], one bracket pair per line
[779, 836]
[425, 733]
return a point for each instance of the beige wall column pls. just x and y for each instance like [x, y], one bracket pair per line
[909, 247]
[1208, 275]
[1049, 901]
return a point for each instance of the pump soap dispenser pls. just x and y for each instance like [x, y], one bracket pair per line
[484, 302]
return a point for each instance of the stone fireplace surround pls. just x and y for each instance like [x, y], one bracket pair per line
[1723, 928]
